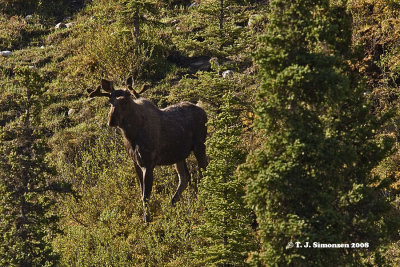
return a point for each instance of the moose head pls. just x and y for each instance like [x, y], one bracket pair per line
[120, 99]
[108, 86]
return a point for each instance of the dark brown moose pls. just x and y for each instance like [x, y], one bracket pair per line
[154, 136]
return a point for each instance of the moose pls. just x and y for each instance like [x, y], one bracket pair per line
[154, 136]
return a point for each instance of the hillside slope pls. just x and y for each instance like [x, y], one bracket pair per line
[186, 52]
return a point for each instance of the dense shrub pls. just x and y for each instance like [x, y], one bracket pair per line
[47, 8]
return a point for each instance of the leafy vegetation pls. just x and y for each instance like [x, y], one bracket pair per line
[225, 222]
[306, 90]
[28, 221]
[312, 178]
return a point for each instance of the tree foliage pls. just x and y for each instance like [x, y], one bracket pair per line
[311, 180]
[48, 8]
[27, 222]
[226, 221]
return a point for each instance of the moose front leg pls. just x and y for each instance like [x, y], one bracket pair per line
[146, 191]
[140, 176]
[184, 176]
[200, 154]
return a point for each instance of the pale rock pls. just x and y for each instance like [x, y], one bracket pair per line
[227, 74]
[194, 4]
[6, 53]
[60, 25]
[71, 112]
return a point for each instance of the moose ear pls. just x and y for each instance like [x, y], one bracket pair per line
[129, 81]
[107, 85]
[89, 91]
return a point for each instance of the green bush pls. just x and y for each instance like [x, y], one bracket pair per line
[47, 8]
[113, 51]
[104, 225]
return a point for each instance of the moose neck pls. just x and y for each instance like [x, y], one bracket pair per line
[131, 122]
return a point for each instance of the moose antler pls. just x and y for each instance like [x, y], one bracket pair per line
[144, 88]
[129, 83]
[105, 85]
[97, 92]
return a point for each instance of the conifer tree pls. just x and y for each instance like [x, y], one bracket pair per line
[219, 31]
[311, 179]
[26, 220]
[134, 11]
[225, 226]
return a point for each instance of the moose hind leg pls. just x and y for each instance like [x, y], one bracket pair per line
[184, 177]
[147, 187]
